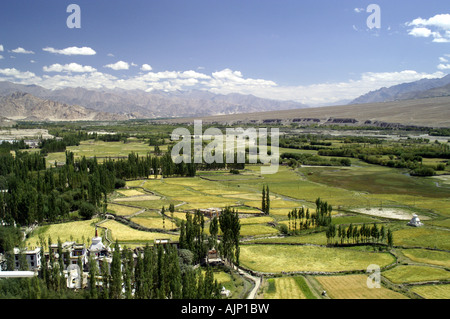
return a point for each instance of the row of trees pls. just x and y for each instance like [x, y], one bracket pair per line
[362, 234]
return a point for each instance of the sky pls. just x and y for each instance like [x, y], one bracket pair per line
[317, 52]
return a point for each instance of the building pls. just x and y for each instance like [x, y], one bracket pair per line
[415, 221]
[97, 248]
[32, 257]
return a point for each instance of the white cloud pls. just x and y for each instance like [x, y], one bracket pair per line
[1, 57]
[442, 59]
[120, 65]
[14, 74]
[1, 48]
[22, 51]
[71, 51]
[420, 32]
[146, 67]
[222, 82]
[443, 66]
[71, 67]
[110, 54]
[359, 10]
[437, 27]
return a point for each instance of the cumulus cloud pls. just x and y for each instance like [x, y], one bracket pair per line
[420, 32]
[119, 65]
[71, 67]
[443, 66]
[26, 77]
[1, 48]
[437, 27]
[146, 67]
[22, 51]
[71, 51]
[221, 82]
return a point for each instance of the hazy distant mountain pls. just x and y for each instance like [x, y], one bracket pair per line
[141, 104]
[405, 91]
[24, 106]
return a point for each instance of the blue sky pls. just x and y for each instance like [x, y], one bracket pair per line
[318, 52]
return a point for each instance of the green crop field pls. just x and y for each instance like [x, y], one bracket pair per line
[286, 258]
[433, 291]
[284, 288]
[423, 237]
[411, 273]
[439, 258]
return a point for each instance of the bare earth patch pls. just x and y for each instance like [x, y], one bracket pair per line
[392, 213]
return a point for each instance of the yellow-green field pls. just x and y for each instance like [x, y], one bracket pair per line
[433, 291]
[284, 288]
[354, 287]
[412, 273]
[124, 233]
[439, 258]
[79, 231]
[286, 258]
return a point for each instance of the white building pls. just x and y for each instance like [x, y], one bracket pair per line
[415, 221]
[33, 258]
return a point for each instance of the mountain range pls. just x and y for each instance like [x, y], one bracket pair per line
[425, 88]
[134, 104]
[33, 102]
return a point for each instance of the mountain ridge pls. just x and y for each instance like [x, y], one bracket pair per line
[141, 104]
[403, 91]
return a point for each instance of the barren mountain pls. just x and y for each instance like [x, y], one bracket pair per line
[141, 104]
[404, 91]
[430, 112]
[24, 106]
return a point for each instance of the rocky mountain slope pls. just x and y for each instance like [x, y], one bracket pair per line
[141, 104]
[24, 106]
[406, 91]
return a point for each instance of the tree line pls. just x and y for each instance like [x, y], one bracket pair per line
[356, 235]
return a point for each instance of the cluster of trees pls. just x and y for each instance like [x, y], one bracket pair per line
[160, 272]
[33, 193]
[355, 235]
[301, 216]
[323, 213]
[62, 140]
[265, 202]
[398, 156]
[194, 238]
[294, 160]
[305, 220]
[230, 227]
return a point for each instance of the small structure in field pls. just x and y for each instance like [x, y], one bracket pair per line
[415, 221]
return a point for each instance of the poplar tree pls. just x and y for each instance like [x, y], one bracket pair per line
[116, 274]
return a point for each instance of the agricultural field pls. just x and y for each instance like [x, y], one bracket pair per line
[286, 258]
[433, 291]
[362, 193]
[412, 273]
[354, 287]
[285, 288]
[79, 231]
